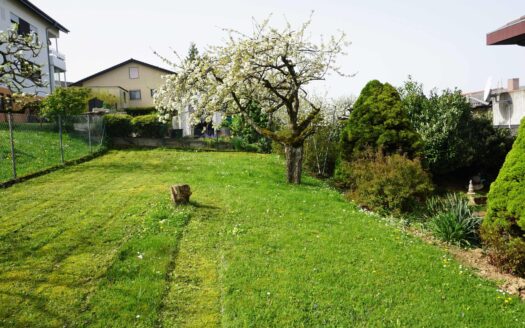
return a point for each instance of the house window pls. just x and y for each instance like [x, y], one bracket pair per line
[134, 95]
[23, 27]
[133, 72]
[153, 92]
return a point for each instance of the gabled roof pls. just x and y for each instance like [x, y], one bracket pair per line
[129, 61]
[43, 15]
[512, 33]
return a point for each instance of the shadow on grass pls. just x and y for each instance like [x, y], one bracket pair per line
[202, 206]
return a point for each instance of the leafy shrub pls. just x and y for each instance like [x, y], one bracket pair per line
[378, 121]
[148, 126]
[245, 136]
[66, 102]
[109, 101]
[452, 220]
[240, 144]
[384, 183]
[453, 138]
[490, 146]
[503, 230]
[343, 175]
[441, 119]
[118, 125]
[140, 111]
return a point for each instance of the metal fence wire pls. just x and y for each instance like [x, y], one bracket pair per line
[29, 145]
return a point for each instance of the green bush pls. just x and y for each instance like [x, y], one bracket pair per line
[240, 144]
[452, 220]
[342, 176]
[148, 126]
[394, 184]
[245, 136]
[378, 121]
[66, 102]
[490, 146]
[503, 230]
[454, 139]
[118, 125]
[140, 111]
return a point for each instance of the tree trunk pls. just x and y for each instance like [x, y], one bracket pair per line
[294, 163]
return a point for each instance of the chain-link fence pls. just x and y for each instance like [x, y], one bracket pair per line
[29, 145]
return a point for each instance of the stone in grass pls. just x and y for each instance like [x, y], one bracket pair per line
[180, 194]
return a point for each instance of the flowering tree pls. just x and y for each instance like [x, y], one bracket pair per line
[17, 71]
[270, 67]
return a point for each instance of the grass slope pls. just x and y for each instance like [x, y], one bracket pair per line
[36, 148]
[98, 245]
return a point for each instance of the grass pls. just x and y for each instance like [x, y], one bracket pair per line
[98, 245]
[37, 148]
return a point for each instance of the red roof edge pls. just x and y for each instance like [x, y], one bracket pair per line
[512, 33]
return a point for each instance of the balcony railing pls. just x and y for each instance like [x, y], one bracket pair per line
[58, 60]
[57, 54]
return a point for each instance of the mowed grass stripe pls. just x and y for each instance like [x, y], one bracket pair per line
[27, 240]
[77, 255]
[194, 294]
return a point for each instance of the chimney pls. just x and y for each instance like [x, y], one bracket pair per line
[514, 84]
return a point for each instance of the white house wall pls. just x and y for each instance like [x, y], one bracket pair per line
[508, 109]
[183, 121]
[6, 8]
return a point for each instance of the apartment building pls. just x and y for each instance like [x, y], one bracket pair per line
[31, 19]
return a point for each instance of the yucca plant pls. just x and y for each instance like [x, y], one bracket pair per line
[452, 220]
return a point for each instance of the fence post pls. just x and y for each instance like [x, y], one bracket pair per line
[89, 132]
[60, 136]
[12, 141]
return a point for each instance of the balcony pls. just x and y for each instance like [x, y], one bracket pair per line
[57, 60]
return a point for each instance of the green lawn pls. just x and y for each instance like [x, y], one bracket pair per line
[37, 148]
[99, 245]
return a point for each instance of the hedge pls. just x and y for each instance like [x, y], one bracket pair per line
[503, 230]
[140, 111]
[148, 126]
[118, 125]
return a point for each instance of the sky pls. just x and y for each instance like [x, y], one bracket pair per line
[439, 43]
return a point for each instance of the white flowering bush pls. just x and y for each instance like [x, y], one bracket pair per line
[270, 67]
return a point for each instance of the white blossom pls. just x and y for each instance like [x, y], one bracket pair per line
[244, 67]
